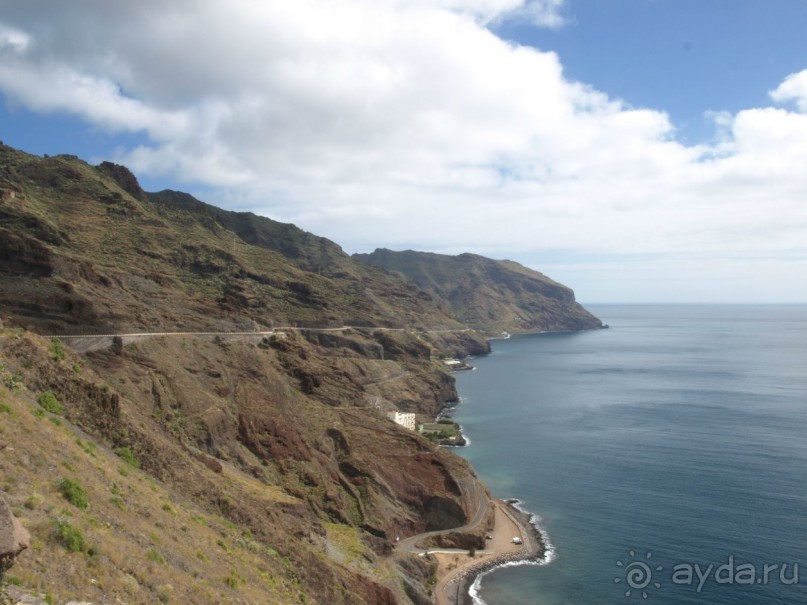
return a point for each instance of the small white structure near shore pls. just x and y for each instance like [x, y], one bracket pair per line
[456, 365]
[405, 419]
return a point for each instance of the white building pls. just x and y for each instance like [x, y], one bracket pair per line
[405, 419]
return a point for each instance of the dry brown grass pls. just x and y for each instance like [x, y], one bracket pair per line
[143, 543]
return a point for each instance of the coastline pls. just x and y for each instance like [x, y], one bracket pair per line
[536, 550]
[542, 552]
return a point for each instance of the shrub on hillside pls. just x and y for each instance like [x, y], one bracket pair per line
[127, 455]
[57, 351]
[49, 402]
[69, 536]
[9, 380]
[74, 493]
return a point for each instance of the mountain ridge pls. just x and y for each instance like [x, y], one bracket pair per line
[93, 247]
[492, 296]
[276, 445]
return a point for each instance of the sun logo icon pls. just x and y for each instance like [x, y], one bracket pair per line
[638, 574]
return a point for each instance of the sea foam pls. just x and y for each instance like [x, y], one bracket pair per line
[550, 554]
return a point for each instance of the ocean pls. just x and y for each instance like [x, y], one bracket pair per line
[666, 456]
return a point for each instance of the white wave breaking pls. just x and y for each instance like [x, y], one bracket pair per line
[550, 554]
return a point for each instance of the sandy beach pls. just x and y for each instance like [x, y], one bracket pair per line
[456, 572]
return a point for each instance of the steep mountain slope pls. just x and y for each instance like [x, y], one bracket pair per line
[266, 468]
[83, 247]
[278, 440]
[489, 295]
[307, 251]
[254, 484]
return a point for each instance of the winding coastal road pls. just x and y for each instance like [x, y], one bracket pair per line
[448, 590]
[92, 342]
[409, 545]
[257, 333]
[500, 548]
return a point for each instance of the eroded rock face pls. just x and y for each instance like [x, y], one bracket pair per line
[489, 295]
[124, 178]
[14, 538]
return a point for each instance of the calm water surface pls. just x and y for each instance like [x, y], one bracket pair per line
[680, 433]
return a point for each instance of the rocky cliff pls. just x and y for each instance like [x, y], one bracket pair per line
[489, 295]
[239, 451]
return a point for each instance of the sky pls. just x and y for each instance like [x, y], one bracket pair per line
[635, 150]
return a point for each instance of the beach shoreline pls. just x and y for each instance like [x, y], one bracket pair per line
[535, 550]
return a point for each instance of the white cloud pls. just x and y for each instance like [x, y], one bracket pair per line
[99, 100]
[544, 13]
[408, 123]
[794, 88]
[13, 39]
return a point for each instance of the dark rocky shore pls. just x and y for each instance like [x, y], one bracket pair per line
[534, 550]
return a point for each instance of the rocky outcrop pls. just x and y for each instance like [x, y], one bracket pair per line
[13, 595]
[124, 178]
[23, 255]
[14, 538]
